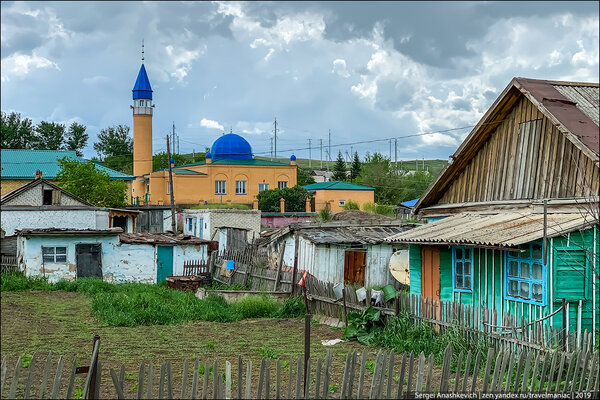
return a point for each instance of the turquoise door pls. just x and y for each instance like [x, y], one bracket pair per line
[199, 227]
[164, 263]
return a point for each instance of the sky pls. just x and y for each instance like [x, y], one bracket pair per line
[364, 71]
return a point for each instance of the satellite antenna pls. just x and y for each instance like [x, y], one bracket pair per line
[399, 267]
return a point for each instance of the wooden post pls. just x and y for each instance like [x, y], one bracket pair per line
[92, 389]
[307, 318]
[345, 309]
[296, 244]
[172, 187]
[564, 322]
[279, 265]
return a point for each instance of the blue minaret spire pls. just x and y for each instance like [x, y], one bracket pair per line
[142, 88]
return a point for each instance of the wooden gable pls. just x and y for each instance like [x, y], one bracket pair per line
[521, 151]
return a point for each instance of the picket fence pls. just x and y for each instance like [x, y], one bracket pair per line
[388, 376]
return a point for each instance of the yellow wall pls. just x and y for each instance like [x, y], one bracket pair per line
[334, 197]
[142, 149]
[196, 189]
[8, 185]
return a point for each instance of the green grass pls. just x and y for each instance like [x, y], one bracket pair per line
[135, 304]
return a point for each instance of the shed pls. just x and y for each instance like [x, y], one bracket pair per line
[354, 252]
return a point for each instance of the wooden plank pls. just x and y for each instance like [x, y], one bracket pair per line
[298, 378]
[161, 381]
[560, 370]
[526, 372]
[72, 379]
[350, 393]
[15, 380]
[45, 375]
[249, 378]
[488, 366]
[216, 377]
[31, 369]
[583, 371]
[444, 384]
[57, 376]
[307, 385]
[140, 388]
[117, 384]
[576, 371]
[544, 373]
[534, 373]
[205, 380]
[420, 373]
[509, 373]
[551, 373]
[149, 390]
[184, 378]
[410, 371]
[497, 369]
[458, 367]
[317, 380]
[569, 369]
[390, 376]
[280, 264]
[429, 375]
[399, 394]
[593, 371]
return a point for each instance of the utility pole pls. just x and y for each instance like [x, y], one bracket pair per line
[396, 152]
[271, 149]
[171, 187]
[173, 138]
[321, 153]
[309, 154]
[329, 152]
[275, 137]
[390, 149]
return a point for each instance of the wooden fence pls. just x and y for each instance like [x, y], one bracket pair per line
[388, 376]
[8, 264]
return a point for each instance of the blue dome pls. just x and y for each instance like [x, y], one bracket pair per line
[293, 158]
[208, 155]
[231, 146]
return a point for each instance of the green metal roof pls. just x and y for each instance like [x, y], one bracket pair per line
[229, 161]
[22, 164]
[336, 185]
[182, 171]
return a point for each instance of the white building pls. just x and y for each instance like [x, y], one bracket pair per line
[206, 223]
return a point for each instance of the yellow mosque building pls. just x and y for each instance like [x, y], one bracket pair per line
[230, 173]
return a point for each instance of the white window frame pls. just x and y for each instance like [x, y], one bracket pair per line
[54, 254]
[262, 187]
[219, 189]
[282, 184]
[341, 203]
[240, 187]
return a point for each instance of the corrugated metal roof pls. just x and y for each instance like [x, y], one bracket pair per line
[504, 230]
[352, 234]
[69, 231]
[584, 97]
[22, 164]
[336, 185]
[160, 238]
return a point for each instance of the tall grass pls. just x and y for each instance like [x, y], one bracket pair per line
[134, 304]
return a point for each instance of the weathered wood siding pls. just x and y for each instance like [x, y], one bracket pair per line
[526, 157]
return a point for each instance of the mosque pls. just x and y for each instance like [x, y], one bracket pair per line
[230, 173]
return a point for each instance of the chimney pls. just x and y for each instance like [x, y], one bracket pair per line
[38, 174]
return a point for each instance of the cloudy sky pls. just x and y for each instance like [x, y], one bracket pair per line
[364, 70]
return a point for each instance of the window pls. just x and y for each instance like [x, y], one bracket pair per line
[168, 187]
[240, 187]
[220, 187]
[54, 254]
[282, 184]
[462, 269]
[262, 187]
[342, 203]
[47, 197]
[524, 274]
[191, 225]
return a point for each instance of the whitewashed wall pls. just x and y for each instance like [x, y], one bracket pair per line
[70, 219]
[34, 197]
[121, 262]
[214, 219]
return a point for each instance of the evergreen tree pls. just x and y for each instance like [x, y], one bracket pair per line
[49, 136]
[339, 169]
[355, 168]
[76, 138]
[16, 133]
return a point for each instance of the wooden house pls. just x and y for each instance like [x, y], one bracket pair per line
[513, 219]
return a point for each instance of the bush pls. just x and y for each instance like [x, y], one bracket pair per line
[370, 207]
[323, 216]
[255, 307]
[351, 205]
[292, 307]
[17, 282]
[382, 209]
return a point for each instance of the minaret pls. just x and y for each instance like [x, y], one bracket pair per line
[142, 129]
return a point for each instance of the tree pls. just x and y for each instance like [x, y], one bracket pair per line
[295, 199]
[114, 141]
[377, 171]
[302, 178]
[49, 136]
[76, 138]
[85, 181]
[16, 133]
[355, 168]
[160, 160]
[339, 169]
[414, 185]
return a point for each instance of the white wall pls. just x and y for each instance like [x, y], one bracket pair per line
[121, 262]
[231, 218]
[37, 219]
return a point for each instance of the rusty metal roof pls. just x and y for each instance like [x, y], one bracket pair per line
[352, 234]
[574, 105]
[68, 231]
[493, 230]
[160, 238]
